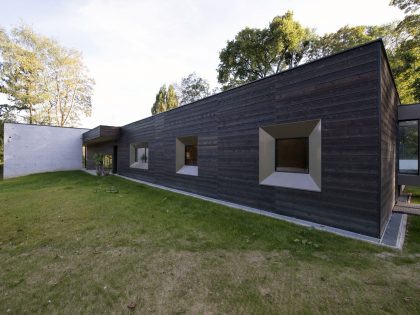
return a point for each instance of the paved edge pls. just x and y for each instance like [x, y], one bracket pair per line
[373, 240]
[402, 231]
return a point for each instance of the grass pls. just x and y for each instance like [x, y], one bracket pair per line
[414, 231]
[67, 246]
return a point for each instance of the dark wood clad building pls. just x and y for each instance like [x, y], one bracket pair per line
[336, 115]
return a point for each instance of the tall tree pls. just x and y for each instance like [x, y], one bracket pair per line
[159, 105]
[409, 6]
[171, 98]
[46, 82]
[5, 116]
[70, 88]
[405, 61]
[348, 37]
[165, 100]
[21, 73]
[401, 42]
[256, 53]
[193, 88]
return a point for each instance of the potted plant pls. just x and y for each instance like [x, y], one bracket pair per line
[106, 170]
[107, 167]
[99, 163]
[144, 158]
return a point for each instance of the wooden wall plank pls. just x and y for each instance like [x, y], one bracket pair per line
[389, 122]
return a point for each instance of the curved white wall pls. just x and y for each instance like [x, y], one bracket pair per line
[32, 149]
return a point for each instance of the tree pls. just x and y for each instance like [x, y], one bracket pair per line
[405, 61]
[71, 89]
[171, 98]
[193, 88]
[21, 73]
[401, 41]
[1, 145]
[43, 80]
[348, 37]
[409, 6]
[159, 105]
[256, 53]
[165, 100]
[5, 117]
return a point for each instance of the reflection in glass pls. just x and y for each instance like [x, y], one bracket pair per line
[408, 147]
[140, 155]
[191, 155]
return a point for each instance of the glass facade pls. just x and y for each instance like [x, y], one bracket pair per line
[107, 161]
[408, 141]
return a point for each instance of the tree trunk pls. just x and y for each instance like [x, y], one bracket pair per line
[30, 115]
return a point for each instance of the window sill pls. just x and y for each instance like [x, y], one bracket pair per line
[140, 165]
[188, 170]
[291, 170]
[291, 180]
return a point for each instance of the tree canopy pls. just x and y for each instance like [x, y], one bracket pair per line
[401, 41]
[256, 53]
[192, 88]
[171, 98]
[405, 59]
[165, 100]
[348, 37]
[408, 6]
[45, 82]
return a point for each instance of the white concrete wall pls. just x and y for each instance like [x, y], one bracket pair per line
[32, 149]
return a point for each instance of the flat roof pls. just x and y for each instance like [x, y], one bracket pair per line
[376, 41]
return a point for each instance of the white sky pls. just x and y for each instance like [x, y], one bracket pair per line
[132, 47]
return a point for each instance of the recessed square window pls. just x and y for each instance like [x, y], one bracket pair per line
[292, 155]
[186, 161]
[139, 155]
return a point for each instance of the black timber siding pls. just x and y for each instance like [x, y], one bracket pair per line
[341, 90]
[389, 132]
[101, 134]
[91, 134]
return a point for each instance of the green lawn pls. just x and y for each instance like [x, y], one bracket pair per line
[67, 246]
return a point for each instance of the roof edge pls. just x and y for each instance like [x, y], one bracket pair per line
[38, 125]
[378, 40]
[384, 53]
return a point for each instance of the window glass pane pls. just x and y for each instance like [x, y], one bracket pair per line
[139, 155]
[107, 162]
[292, 155]
[190, 154]
[408, 147]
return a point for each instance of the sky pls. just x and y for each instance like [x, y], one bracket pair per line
[132, 47]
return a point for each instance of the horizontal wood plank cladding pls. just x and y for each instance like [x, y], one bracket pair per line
[91, 134]
[341, 90]
[389, 119]
[101, 134]
[336, 62]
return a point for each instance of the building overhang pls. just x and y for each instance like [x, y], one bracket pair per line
[101, 134]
